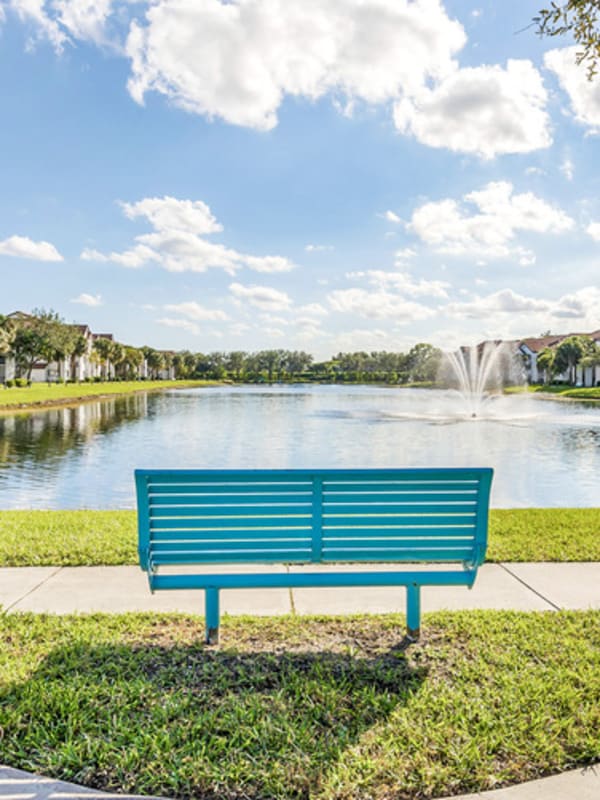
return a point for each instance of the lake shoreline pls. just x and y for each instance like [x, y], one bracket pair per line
[77, 400]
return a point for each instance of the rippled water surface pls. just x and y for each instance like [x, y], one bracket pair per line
[545, 453]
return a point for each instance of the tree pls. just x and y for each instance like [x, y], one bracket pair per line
[545, 363]
[37, 337]
[79, 349]
[423, 362]
[7, 334]
[570, 352]
[578, 18]
[130, 362]
[154, 360]
[103, 347]
[61, 343]
[116, 355]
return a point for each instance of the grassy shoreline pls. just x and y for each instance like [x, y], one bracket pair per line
[331, 708]
[43, 396]
[47, 396]
[96, 538]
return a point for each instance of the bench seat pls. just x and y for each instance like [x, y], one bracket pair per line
[413, 517]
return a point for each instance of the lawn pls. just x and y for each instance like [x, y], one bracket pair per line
[43, 394]
[559, 391]
[296, 708]
[89, 538]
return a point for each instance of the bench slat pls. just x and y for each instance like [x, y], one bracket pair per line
[231, 511]
[366, 484]
[399, 509]
[239, 557]
[231, 499]
[399, 554]
[206, 534]
[251, 546]
[394, 521]
[236, 523]
[205, 545]
[199, 489]
[396, 494]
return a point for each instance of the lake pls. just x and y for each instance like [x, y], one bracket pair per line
[545, 453]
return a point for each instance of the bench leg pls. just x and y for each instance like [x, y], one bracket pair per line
[413, 611]
[212, 616]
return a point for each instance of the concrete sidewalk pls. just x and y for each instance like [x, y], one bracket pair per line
[577, 785]
[519, 586]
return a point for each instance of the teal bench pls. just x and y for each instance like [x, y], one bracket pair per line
[413, 517]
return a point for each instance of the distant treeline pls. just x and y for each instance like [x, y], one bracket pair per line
[43, 336]
[419, 365]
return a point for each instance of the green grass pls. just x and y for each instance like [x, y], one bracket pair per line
[544, 534]
[39, 394]
[569, 392]
[293, 708]
[91, 538]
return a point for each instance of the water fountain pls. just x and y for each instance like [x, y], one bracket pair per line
[478, 374]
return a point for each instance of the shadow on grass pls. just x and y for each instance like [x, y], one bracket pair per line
[190, 722]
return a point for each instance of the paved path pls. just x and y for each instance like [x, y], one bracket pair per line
[526, 587]
[534, 587]
[574, 785]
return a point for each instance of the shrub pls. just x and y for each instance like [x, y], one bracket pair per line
[22, 383]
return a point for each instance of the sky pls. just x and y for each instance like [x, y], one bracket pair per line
[324, 175]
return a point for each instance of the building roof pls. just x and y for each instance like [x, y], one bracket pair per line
[538, 343]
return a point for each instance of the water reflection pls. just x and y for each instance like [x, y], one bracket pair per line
[45, 437]
[544, 453]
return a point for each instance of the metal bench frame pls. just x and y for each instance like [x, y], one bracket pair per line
[354, 516]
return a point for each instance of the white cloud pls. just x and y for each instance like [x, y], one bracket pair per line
[583, 94]
[403, 255]
[318, 248]
[527, 258]
[449, 228]
[365, 339]
[499, 309]
[184, 324]
[403, 283]
[195, 311]
[237, 61]
[267, 263]
[484, 110]
[567, 168]
[582, 304]
[503, 302]
[88, 299]
[168, 213]
[264, 297]
[34, 13]
[594, 230]
[313, 310]
[378, 305]
[177, 244]
[534, 171]
[84, 19]
[23, 247]
[392, 217]
[133, 258]
[273, 333]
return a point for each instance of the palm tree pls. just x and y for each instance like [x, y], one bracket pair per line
[570, 352]
[79, 349]
[7, 334]
[545, 364]
[104, 348]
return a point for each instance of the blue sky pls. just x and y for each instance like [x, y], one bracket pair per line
[323, 175]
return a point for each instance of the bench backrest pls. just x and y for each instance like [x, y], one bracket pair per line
[300, 516]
